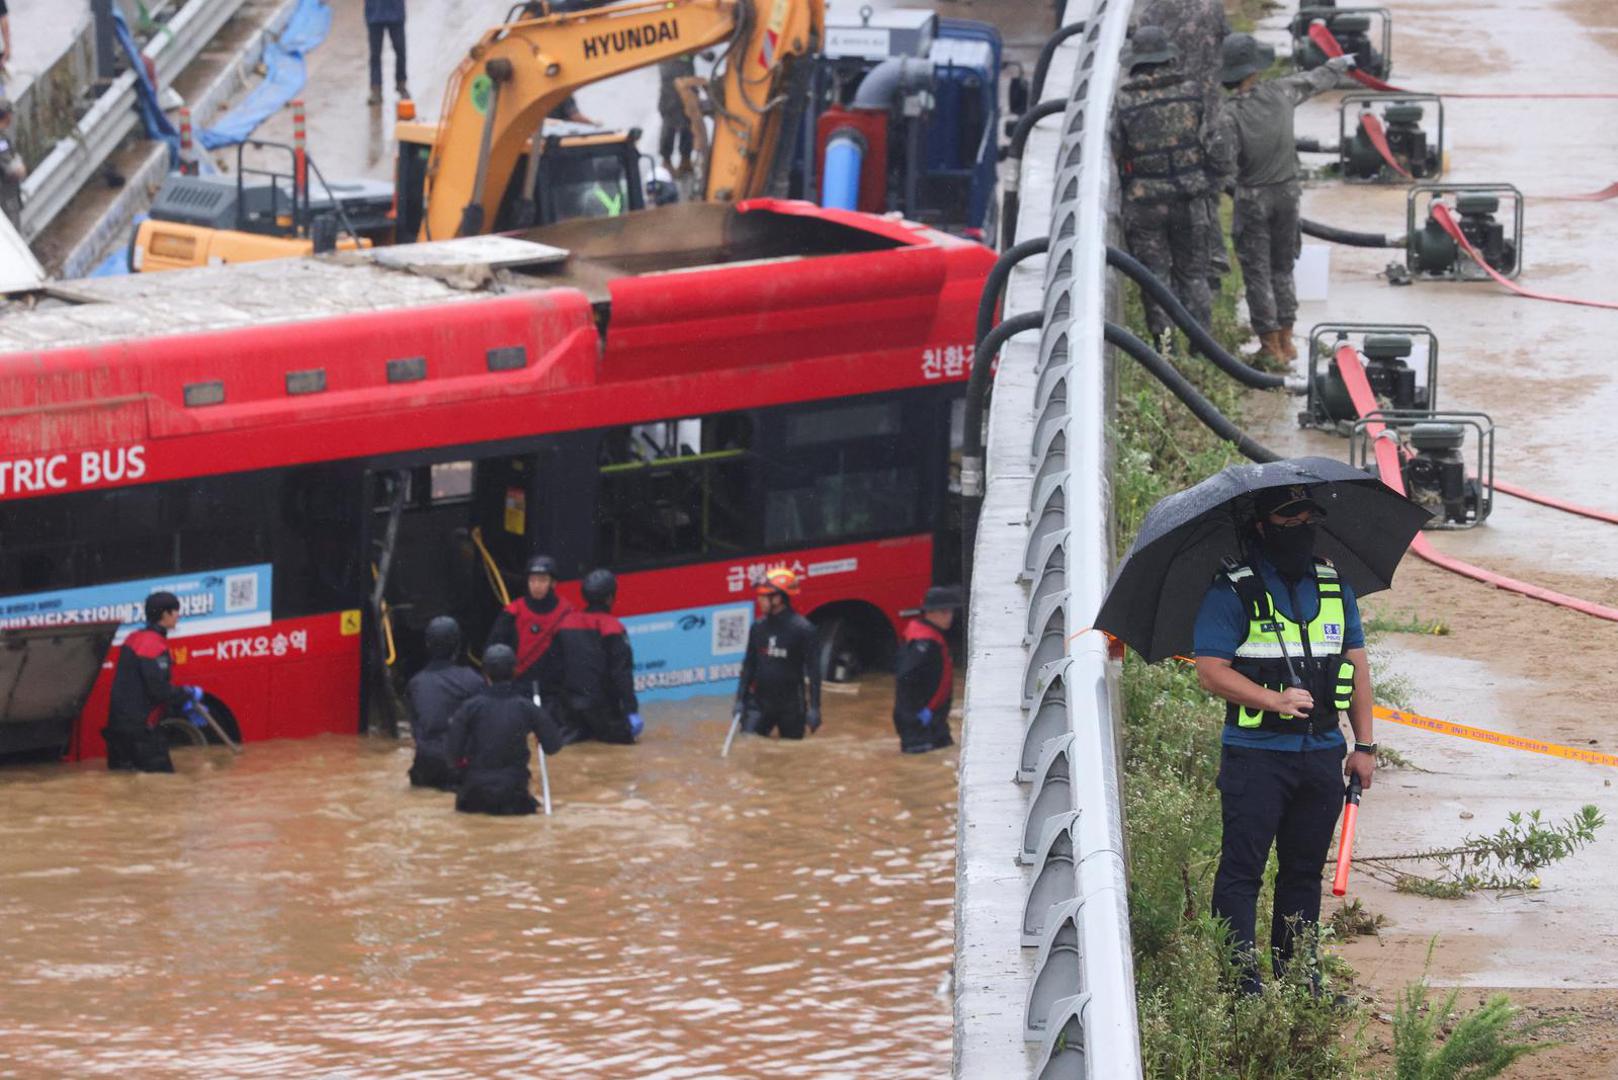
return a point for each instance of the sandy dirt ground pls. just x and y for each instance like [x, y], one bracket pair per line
[1508, 664]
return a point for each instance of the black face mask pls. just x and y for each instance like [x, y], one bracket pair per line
[1291, 550]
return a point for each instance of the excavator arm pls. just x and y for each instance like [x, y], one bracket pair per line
[517, 73]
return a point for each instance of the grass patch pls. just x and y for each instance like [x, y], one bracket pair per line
[1433, 1042]
[1405, 622]
[1351, 920]
[1243, 15]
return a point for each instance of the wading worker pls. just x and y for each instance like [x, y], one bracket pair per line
[780, 681]
[143, 692]
[434, 693]
[488, 739]
[528, 626]
[1255, 149]
[600, 665]
[924, 675]
[1279, 638]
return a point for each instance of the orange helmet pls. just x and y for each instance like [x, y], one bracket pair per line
[781, 580]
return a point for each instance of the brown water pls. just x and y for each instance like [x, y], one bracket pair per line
[299, 911]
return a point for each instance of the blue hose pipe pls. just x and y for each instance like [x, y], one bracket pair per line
[840, 178]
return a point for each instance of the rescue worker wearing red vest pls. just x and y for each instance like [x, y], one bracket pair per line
[779, 686]
[1279, 638]
[924, 676]
[433, 694]
[488, 739]
[528, 626]
[143, 692]
[599, 665]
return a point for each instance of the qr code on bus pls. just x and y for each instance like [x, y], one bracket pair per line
[730, 628]
[241, 592]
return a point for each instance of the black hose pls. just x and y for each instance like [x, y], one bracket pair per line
[1200, 407]
[1201, 339]
[1313, 146]
[972, 455]
[1010, 202]
[1047, 53]
[994, 286]
[1334, 235]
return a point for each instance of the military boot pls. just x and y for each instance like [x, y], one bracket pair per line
[1288, 346]
[1271, 353]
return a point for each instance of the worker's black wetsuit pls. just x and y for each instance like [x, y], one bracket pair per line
[434, 693]
[780, 659]
[488, 739]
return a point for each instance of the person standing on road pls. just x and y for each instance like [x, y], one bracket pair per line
[488, 738]
[600, 665]
[1255, 150]
[780, 680]
[386, 17]
[433, 694]
[676, 125]
[528, 626]
[1279, 638]
[12, 169]
[1158, 137]
[924, 676]
[143, 692]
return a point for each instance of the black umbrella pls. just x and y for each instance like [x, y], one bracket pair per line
[1158, 589]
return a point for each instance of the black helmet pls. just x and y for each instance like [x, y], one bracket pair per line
[159, 604]
[942, 598]
[599, 587]
[499, 663]
[443, 638]
[542, 564]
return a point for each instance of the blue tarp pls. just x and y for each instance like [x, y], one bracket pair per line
[157, 125]
[284, 77]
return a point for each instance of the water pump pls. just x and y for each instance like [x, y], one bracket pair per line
[1400, 117]
[1352, 27]
[1386, 352]
[1433, 461]
[1432, 253]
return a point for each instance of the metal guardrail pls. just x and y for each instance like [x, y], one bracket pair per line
[76, 158]
[1050, 409]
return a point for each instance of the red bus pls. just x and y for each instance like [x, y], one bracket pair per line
[319, 455]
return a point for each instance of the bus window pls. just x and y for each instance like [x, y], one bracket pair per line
[451, 481]
[843, 472]
[675, 490]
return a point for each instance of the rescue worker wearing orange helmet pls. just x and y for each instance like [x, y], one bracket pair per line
[779, 686]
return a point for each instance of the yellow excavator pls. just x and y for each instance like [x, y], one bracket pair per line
[487, 166]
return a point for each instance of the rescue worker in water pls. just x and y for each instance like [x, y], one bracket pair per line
[528, 626]
[780, 679]
[599, 665]
[924, 676]
[143, 692]
[488, 739]
[433, 694]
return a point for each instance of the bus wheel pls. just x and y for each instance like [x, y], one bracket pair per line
[854, 638]
[181, 732]
[838, 656]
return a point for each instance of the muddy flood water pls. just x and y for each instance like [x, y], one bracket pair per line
[299, 911]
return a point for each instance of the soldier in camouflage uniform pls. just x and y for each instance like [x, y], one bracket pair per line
[12, 169]
[1158, 137]
[1254, 149]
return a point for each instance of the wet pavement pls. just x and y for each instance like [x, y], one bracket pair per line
[299, 911]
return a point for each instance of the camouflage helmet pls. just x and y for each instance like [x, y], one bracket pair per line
[1151, 45]
[1241, 55]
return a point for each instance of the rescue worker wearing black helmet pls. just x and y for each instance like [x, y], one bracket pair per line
[528, 626]
[779, 686]
[143, 692]
[599, 691]
[433, 694]
[924, 675]
[488, 740]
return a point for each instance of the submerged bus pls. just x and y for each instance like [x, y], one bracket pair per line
[319, 455]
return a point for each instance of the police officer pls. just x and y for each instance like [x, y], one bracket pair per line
[12, 169]
[780, 662]
[924, 677]
[143, 692]
[600, 665]
[488, 738]
[1255, 150]
[1158, 140]
[433, 694]
[528, 626]
[1279, 638]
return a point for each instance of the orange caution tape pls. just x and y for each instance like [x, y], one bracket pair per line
[1494, 738]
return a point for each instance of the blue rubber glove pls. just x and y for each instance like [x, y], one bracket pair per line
[636, 724]
[925, 716]
[195, 693]
[812, 719]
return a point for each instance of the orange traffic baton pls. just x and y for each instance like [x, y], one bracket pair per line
[1345, 845]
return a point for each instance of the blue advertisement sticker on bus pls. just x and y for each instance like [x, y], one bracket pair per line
[210, 602]
[689, 653]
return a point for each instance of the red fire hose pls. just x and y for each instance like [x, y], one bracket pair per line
[1371, 124]
[1387, 461]
[1328, 44]
[1345, 843]
[1441, 215]
[1555, 504]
